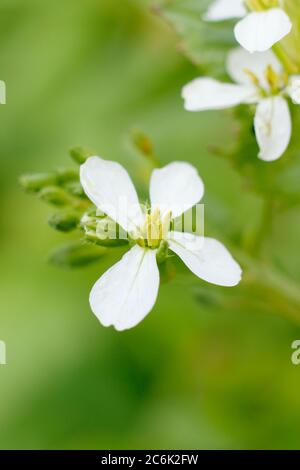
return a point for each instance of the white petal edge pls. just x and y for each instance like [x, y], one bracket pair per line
[239, 61]
[221, 10]
[176, 187]
[108, 185]
[259, 31]
[294, 89]
[205, 93]
[127, 292]
[273, 127]
[207, 258]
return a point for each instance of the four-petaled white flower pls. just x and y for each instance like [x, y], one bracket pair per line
[260, 79]
[258, 31]
[126, 293]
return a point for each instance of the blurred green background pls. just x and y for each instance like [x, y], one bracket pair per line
[198, 372]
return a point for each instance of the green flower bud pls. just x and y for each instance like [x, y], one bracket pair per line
[102, 231]
[75, 189]
[89, 224]
[80, 155]
[92, 237]
[142, 142]
[35, 182]
[65, 175]
[55, 196]
[95, 212]
[64, 221]
[76, 255]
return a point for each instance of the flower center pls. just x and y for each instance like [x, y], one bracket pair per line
[260, 5]
[154, 230]
[276, 82]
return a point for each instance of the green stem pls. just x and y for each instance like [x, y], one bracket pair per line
[287, 50]
[285, 293]
[288, 63]
[254, 243]
[265, 284]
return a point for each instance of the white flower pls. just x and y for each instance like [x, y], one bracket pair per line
[259, 79]
[126, 293]
[258, 31]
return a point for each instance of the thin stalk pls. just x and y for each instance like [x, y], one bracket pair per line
[284, 290]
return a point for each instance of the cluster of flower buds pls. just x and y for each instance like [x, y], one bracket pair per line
[62, 190]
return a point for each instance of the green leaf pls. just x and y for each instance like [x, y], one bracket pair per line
[204, 43]
[76, 255]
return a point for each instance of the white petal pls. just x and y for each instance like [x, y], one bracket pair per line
[294, 88]
[206, 93]
[225, 9]
[259, 31]
[272, 127]
[239, 61]
[206, 258]
[109, 187]
[127, 292]
[176, 187]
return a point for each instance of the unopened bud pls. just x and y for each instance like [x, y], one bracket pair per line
[80, 155]
[75, 188]
[65, 175]
[35, 182]
[92, 237]
[55, 196]
[89, 222]
[64, 221]
[76, 255]
[142, 142]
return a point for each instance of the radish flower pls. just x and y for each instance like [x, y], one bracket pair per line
[260, 80]
[127, 292]
[257, 31]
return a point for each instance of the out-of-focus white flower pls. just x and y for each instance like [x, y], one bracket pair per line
[126, 293]
[259, 79]
[257, 31]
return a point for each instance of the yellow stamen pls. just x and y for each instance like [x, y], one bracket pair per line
[155, 229]
[276, 81]
[252, 76]
[260, 5]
